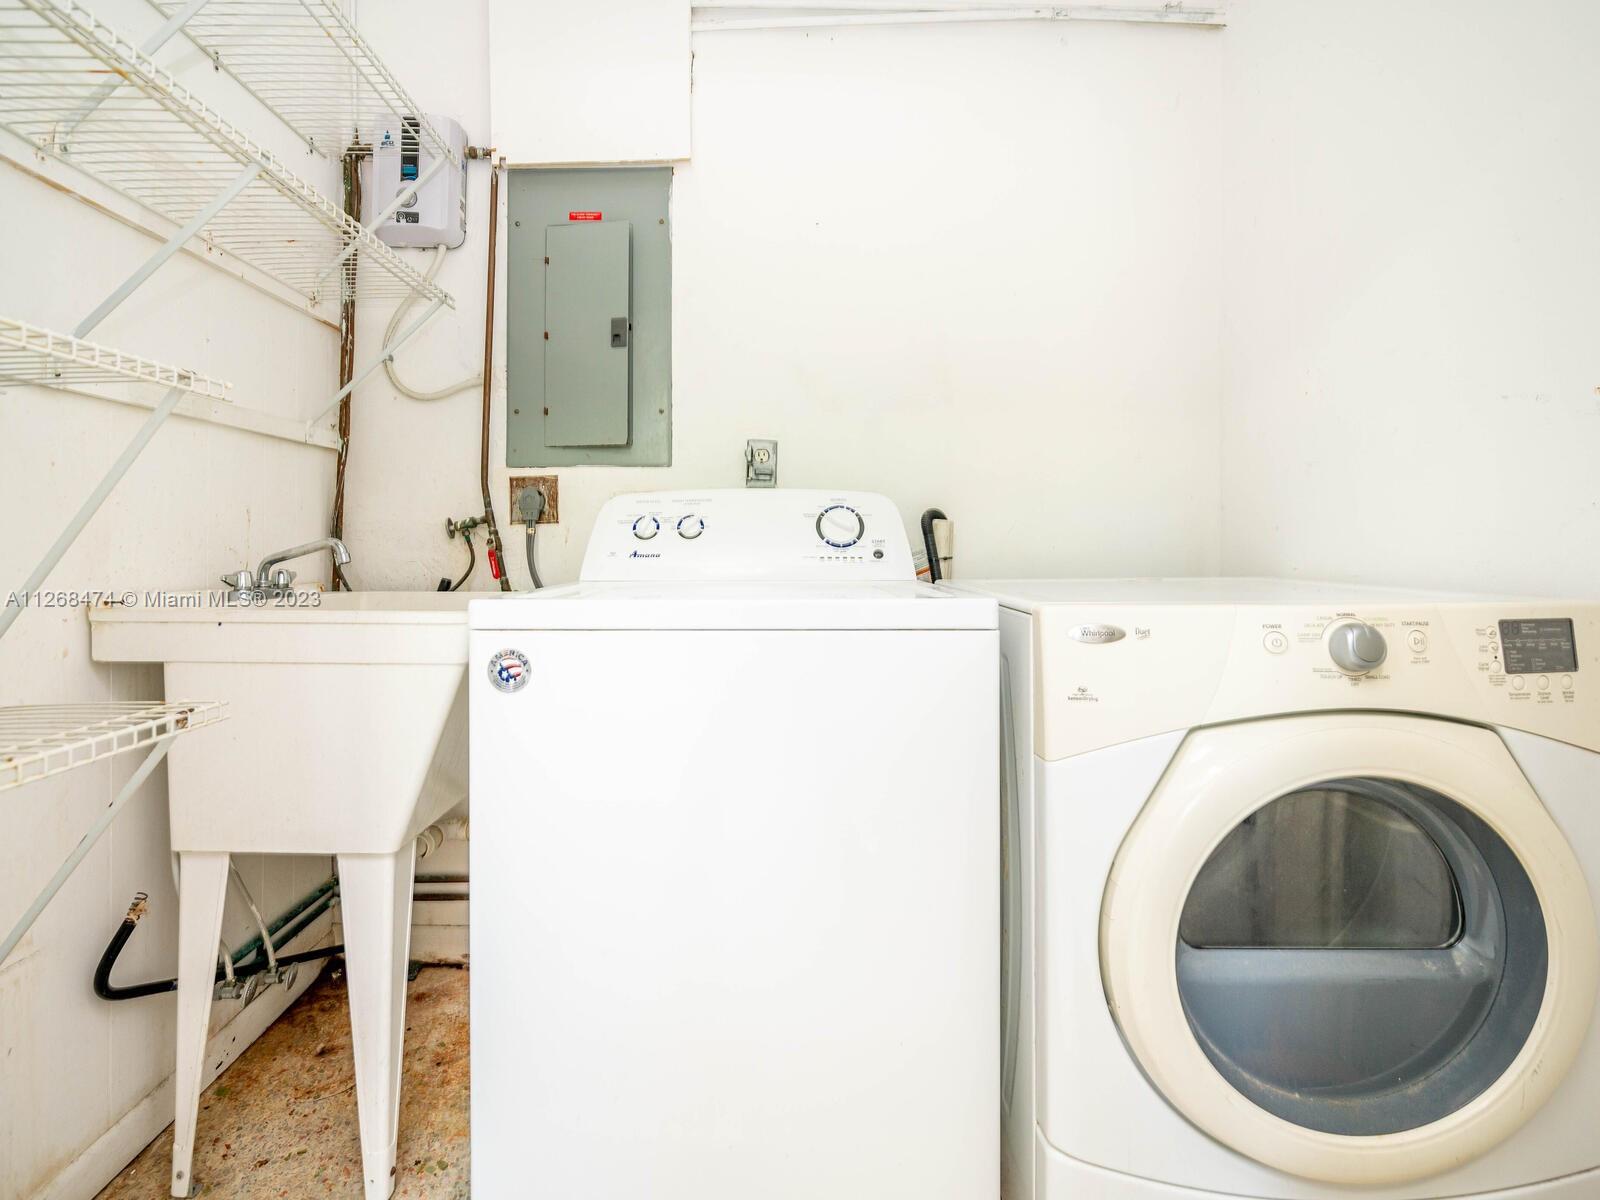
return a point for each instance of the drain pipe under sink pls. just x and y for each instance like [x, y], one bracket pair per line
[452, 829]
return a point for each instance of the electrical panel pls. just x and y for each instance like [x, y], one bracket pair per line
[588, 317]
[437, 214]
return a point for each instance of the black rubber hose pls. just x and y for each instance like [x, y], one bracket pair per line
[103, 986]
[928, 545]
[106, 990]
[472, 560]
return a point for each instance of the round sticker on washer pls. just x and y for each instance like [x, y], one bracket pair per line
[508, 670]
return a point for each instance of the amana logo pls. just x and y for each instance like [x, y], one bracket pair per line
[1097, 635]
[640, 554]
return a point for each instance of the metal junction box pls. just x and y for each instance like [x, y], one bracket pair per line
[588, 318]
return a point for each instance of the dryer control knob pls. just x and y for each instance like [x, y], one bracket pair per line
[1356, 647]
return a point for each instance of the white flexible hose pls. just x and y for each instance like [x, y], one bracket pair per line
[401, 385]
[226, 954]
[440, 832]
[250, 903]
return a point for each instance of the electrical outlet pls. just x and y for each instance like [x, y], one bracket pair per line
[548, 484]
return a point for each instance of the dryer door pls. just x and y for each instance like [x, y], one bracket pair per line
[1355, 948]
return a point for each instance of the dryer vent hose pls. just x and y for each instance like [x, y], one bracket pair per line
[937, 544]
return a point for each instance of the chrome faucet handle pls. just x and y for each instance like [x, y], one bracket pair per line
[282, 578]
[240, 581]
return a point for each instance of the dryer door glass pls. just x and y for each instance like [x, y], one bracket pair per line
[1362, 940]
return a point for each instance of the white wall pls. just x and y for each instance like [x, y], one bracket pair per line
[604, 81]
[1411, 307]
[202, 499]
[973, 267]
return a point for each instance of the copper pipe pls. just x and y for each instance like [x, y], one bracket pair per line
[347, 367]
[495, 547]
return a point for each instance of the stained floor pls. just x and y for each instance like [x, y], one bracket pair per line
[281, 1122]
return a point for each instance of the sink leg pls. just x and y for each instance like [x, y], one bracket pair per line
[203, 882]
[375, 897]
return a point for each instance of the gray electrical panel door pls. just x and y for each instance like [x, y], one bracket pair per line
[587, 306]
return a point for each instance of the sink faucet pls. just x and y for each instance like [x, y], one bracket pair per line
[271, 580]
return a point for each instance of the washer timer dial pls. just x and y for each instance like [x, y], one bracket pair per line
[840, 526]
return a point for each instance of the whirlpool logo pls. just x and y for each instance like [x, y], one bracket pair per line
[1097, 635]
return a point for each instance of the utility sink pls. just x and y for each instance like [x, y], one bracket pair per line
[349, 730]
[348, 737]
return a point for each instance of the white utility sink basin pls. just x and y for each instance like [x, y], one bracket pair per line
[350, 716]
[348, 737]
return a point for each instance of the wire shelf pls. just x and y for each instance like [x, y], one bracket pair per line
[77, 90]
[29, 354]
[308, 63]
[41, 740]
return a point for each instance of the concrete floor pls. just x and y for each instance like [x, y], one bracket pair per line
[281, 1122]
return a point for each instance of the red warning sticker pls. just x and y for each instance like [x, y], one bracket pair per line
[584, 216]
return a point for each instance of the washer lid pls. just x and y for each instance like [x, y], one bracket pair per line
[749, 605]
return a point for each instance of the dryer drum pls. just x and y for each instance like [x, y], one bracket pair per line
[1362, 956]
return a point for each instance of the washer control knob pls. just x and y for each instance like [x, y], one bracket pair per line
[691, 526]
[645, 528]
[840, 526]
[1356, 647]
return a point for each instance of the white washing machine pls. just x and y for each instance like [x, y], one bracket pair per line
[1300, 892]
[735, 864]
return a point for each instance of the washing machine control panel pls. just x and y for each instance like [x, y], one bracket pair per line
[1152, 668]
[753, 534]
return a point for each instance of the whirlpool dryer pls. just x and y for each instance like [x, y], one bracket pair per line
[735, 864]
[1302, 882]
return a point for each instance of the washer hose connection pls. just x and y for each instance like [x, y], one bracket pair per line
[260, 964]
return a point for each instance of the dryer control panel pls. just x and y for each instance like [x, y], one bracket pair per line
[1112, 673]
[781, 534]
